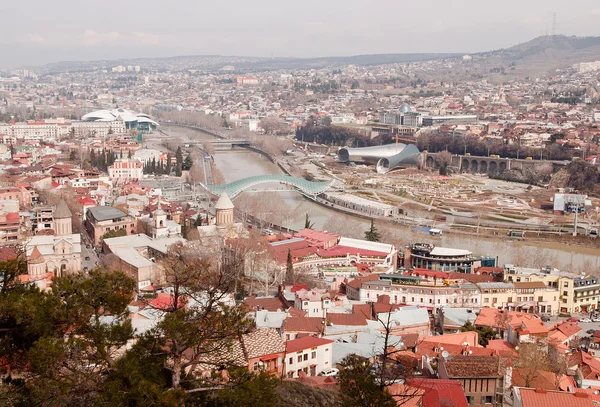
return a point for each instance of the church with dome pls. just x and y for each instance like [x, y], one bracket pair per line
[59, 253]
[224, 226]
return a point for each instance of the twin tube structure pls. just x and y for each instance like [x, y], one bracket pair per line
[385, 157]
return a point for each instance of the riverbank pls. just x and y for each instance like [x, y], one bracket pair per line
[240, 163]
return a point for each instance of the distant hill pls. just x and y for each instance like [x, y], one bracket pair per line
[242, 64]
[541, 55]
[544, 54]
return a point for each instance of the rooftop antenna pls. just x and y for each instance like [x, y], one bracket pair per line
[554, 25]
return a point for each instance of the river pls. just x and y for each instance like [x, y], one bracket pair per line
[240, 163]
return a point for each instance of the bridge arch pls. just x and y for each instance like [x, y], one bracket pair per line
[234, 188]
[483, 167]
[493, 166]
[474, 166]
[502, 166]
[429, 162]
[465, 165]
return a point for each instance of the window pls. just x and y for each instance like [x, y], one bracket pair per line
[326, 349]
[540, 298]
[287, 337]
[299, 358]
[509, 299]
[494, 300]
[566, 284]
[470, 399]
[487, 399]
[518, 299]
[291, 361]
[313, 355]
[306, 356]
[486, 300]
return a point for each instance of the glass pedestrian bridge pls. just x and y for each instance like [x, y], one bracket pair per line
[308, 188]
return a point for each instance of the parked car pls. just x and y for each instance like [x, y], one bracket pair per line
[329, 372]
[545, 317]
[87, 257]
[596, 319]
[585, 320]
[573, 319]
[591, 331]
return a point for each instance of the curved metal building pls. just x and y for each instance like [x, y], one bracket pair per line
[385, 157]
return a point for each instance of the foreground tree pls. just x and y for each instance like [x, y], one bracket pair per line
[65, 341]
[358, 385]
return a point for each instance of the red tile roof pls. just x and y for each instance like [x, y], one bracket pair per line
[429, 273]
[543, 398]
[304, 324]
[346, 319]
[342, 251]
[588, 365]
[472, 366]
[364, 309]
[305, 343]
[357, 282]
[567, 328]
[269, 304]
[447, 393]
[539, 379]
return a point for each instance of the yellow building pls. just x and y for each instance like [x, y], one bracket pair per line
[576, 293]
[531, 297]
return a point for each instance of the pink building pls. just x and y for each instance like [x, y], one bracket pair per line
[126, 170]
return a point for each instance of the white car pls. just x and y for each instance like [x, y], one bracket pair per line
[329, 372]
[596, 319]
[585, 320]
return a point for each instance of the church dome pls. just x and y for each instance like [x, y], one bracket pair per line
[62, 211]
[224, 202]
[36, 256]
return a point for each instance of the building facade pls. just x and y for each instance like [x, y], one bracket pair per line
[100, 220]
[310, 355]
[126, 170]
[59, 254]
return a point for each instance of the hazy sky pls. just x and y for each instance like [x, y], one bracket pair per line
[40, 31]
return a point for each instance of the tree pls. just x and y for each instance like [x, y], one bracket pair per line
[358, 385]
[206, 332]
[372, 234]
[114, 233]
[246, 388]
[289, 268]
[307, 223]
[178, 162]
[537, 357]
[188, 162]
[485, 333]
[93, 158]
[72, 156]
[443, 159]
[366, 384]
[63, 338]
